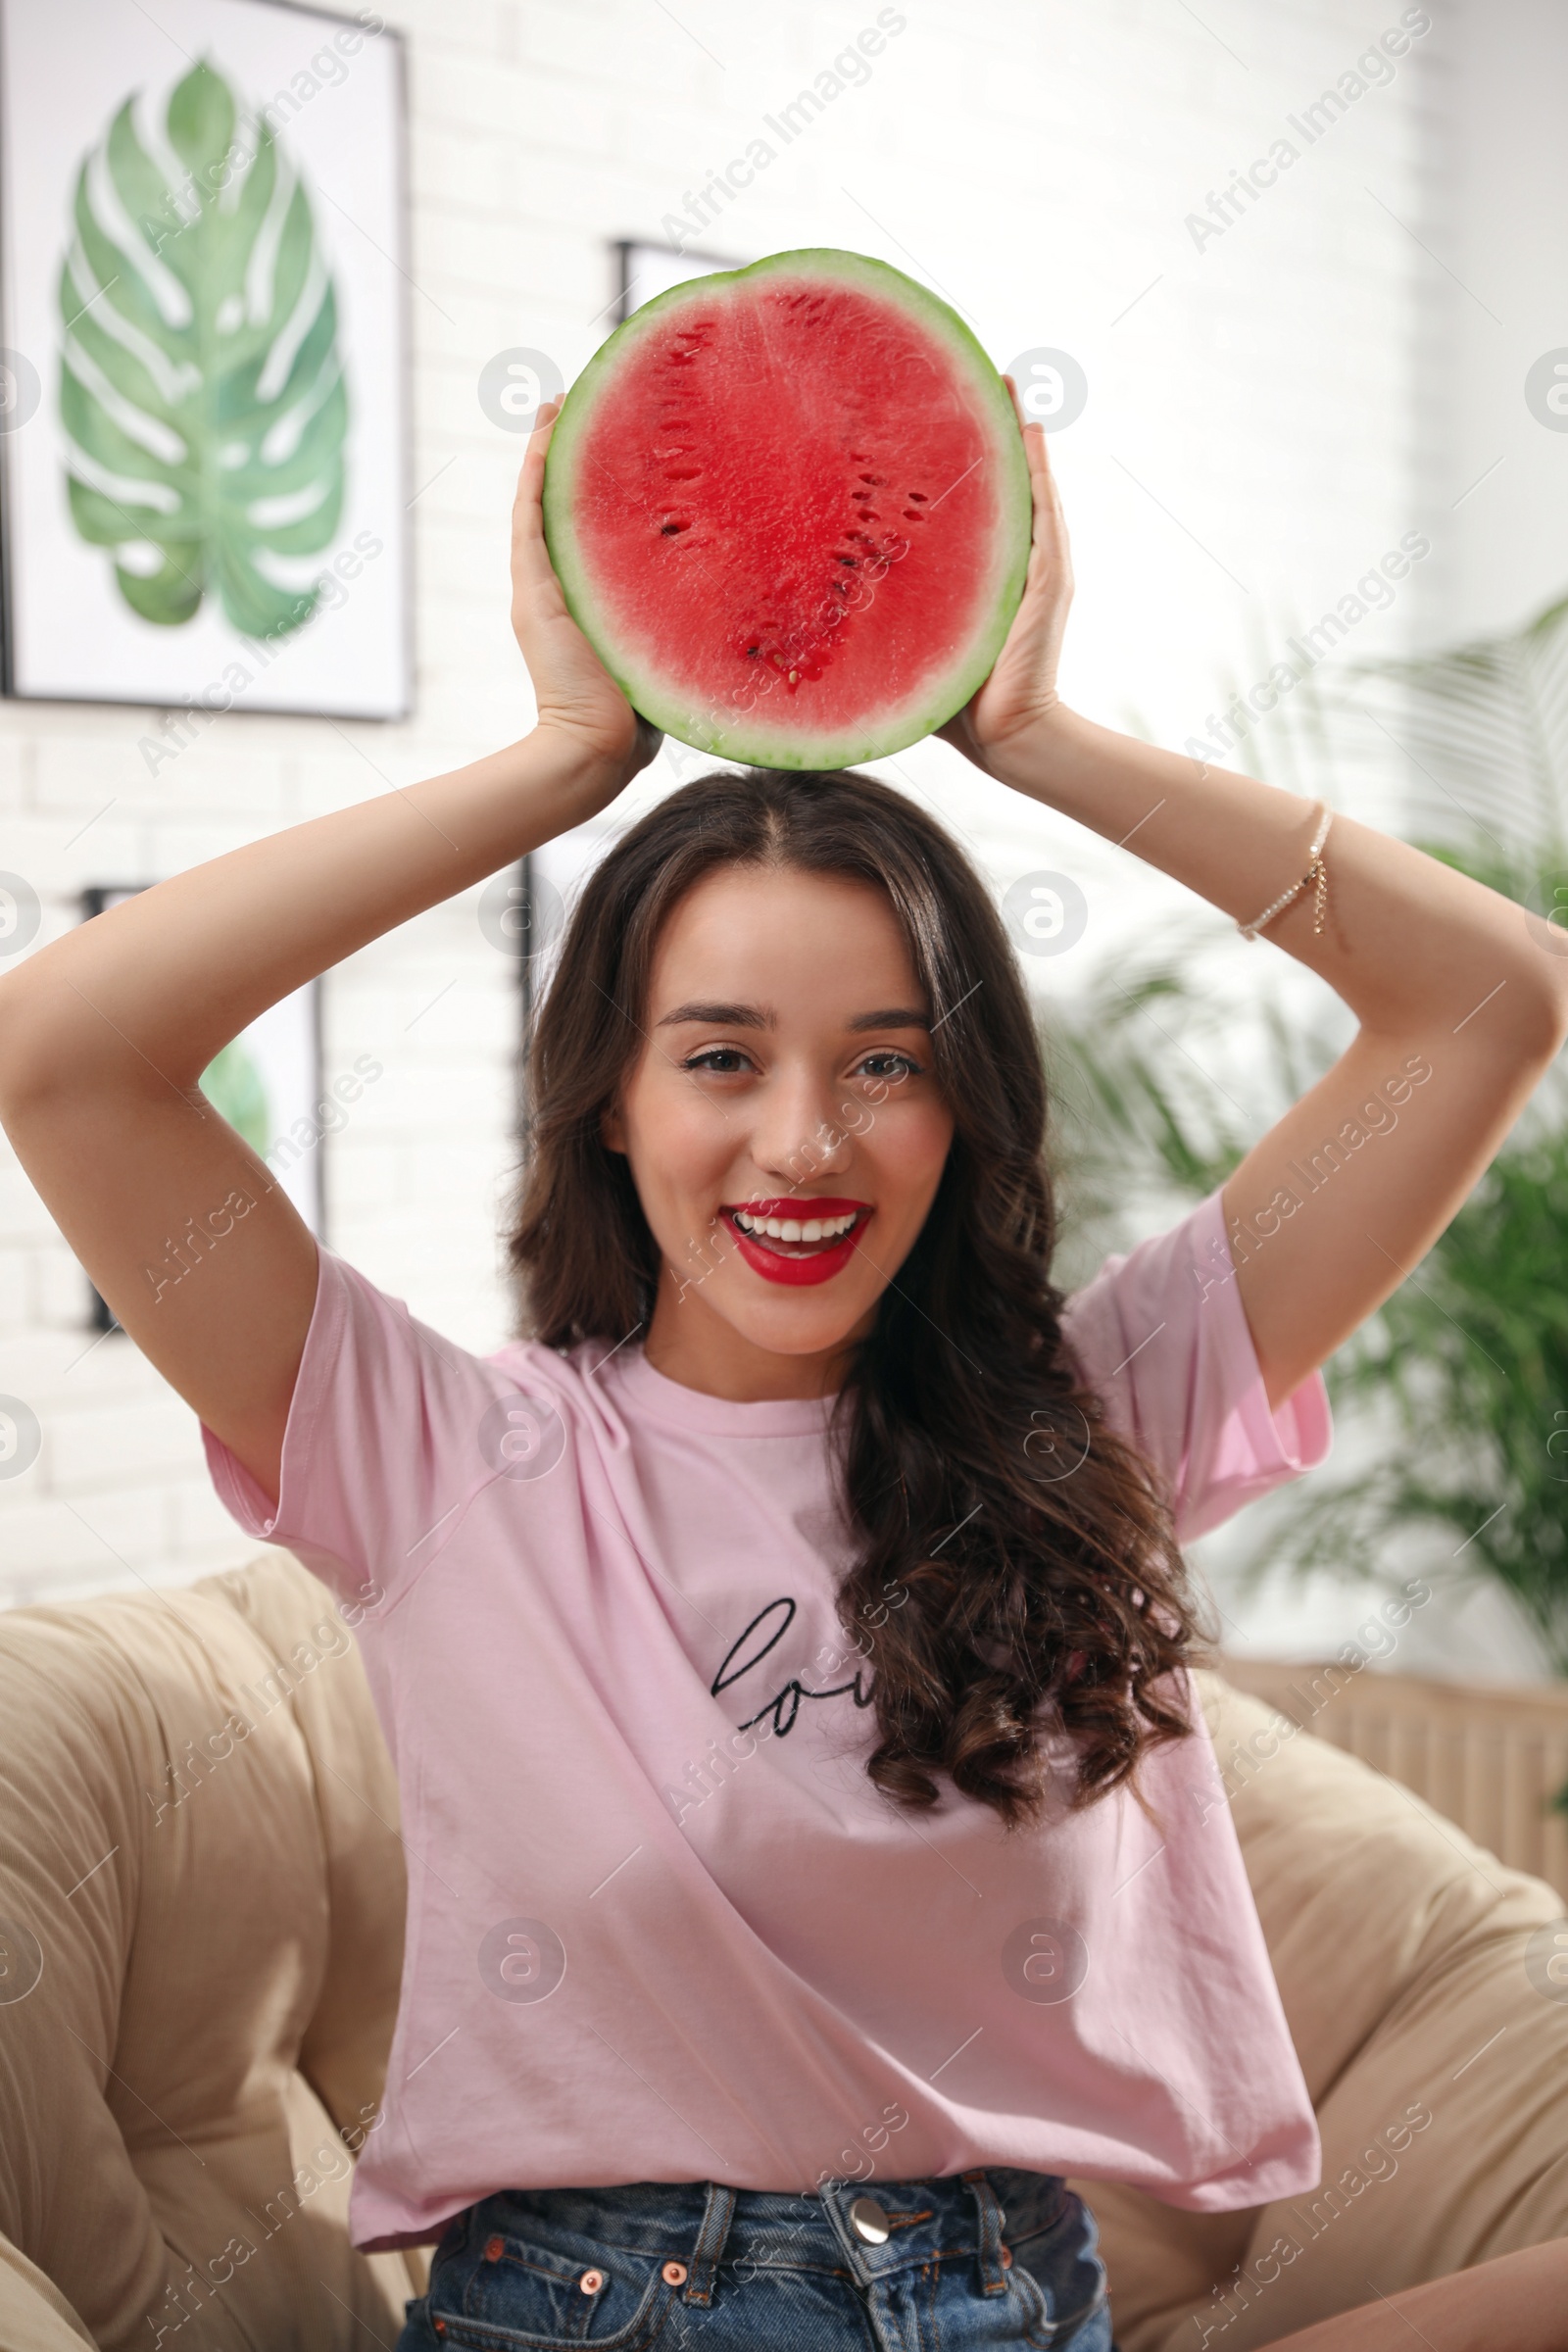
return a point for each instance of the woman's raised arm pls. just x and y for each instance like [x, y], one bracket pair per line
[105, 1033]
[1461, 1008]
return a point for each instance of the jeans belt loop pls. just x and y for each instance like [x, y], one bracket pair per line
[993, 2277]
[711, 2240]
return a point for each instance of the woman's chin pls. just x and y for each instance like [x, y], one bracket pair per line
[778, 1318]
[791, 1327]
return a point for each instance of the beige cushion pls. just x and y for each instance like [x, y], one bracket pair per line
[220, 1920]
[1401, 1950]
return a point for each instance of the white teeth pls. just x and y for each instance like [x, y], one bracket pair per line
[795, 1229]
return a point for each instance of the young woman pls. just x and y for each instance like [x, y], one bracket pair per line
[815, 1853]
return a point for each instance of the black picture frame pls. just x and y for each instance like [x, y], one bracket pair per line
[626, 273]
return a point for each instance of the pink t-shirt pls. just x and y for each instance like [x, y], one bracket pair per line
[660, 1926]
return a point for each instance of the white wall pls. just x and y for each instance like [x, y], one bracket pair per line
[1497, 307]
[1255, 418]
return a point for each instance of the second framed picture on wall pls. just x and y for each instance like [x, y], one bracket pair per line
[205, 490]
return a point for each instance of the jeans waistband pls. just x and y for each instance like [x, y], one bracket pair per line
[705, 2224]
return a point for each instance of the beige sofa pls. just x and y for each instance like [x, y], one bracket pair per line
[200, 1942]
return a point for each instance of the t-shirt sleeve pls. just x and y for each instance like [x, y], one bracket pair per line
[1162, 1338]
[383, 1446]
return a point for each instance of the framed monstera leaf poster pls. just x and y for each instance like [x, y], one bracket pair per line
[202, 428]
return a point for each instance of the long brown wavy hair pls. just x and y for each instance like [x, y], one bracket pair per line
[1018, 1575]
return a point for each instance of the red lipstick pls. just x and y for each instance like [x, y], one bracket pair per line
[796, 1261]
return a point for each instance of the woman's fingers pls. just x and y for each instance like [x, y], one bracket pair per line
[1024, 677]
[536, 592]
[568, 678]
[532, 474]
[527, 508]
[1041, 481]
[1049, 518]
[1048, 543]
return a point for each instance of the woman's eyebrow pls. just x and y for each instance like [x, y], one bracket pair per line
[762, 1016]
[720, 1016]
[898, 1016]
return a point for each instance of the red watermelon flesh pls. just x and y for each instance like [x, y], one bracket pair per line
[789, 508]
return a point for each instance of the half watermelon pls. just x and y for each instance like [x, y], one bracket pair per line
[789, 508]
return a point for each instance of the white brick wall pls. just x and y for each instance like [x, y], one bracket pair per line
[1251, 413]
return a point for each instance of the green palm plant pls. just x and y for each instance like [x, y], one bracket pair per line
[1162, 1090]
[201, 389]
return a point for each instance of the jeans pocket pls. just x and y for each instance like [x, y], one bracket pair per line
[1026, 2299]
[503, 2292]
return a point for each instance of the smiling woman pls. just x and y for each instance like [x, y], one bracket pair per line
[784, 1643]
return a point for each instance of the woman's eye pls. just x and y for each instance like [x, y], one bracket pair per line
[890, 1066]
[721, 1060]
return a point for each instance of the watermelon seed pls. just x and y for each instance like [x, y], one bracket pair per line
[918, 496]
[912, 514]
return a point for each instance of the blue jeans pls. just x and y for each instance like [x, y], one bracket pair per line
[982, 2258]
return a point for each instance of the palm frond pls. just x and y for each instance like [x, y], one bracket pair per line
[1485, 727]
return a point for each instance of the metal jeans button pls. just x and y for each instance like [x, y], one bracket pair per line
[869, 2222]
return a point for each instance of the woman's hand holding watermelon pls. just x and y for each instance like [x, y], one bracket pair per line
[576, 696]
[1021, 690]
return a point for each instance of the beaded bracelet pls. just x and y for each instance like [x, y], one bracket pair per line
[1317, 873]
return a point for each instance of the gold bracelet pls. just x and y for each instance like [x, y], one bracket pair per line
[1317, 873]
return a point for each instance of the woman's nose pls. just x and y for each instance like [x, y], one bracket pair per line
[801, 1133]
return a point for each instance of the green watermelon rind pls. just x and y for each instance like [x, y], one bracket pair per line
[744, 741]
